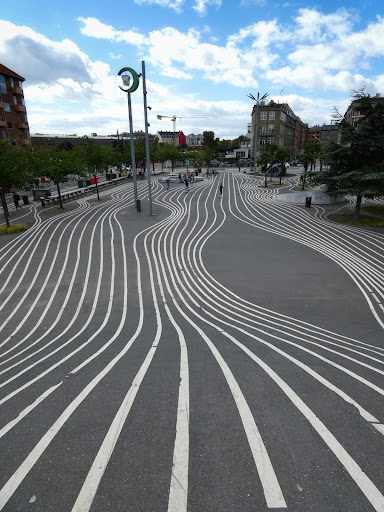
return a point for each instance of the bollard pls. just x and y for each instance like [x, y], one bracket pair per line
[308, 201]
[42, 199]
[138, 205]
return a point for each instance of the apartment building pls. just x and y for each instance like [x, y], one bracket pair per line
[354, 112]
[194, 141]
[13, 115]
[277, 124]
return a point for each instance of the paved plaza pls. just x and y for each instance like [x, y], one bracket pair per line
[223, 355]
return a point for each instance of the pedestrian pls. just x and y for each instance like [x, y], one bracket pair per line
[16, 199]
[167, 183]
[186, 184]
[221, 189]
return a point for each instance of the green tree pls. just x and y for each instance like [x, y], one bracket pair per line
[282, 154]
[267, 157]
[171, 153]
[56, 165]
[307, 158]
[209, 140]
[13, 172]
[356, 161]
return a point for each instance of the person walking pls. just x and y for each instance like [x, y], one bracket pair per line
[221, 189]
[167, 183]
[186, 184]
[16, 199]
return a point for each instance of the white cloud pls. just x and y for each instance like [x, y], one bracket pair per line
[94, 28]
[172, 4]
[201, 6]
[40, 59]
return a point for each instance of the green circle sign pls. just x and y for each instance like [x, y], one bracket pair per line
[135, 83]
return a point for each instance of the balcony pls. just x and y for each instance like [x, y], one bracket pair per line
[3, 123]
[25, 142]
[1, 104]
[19, 108]
[21, 125]
[17, 90]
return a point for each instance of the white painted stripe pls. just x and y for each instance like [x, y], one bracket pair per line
[27, 410]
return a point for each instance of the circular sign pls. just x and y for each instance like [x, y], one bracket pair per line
[135, 83]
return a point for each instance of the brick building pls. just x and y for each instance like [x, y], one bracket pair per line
[277, 124]
[13, 115]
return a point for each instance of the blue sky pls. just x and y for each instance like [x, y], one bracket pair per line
[202, 58]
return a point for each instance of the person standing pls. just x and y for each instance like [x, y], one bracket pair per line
[221, 189]
[167, 183]
[186, 184]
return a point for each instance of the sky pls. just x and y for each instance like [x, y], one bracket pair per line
[202, 58]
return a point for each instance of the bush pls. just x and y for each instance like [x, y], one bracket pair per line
[13, 228]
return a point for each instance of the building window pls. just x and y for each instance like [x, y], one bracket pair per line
[262, 142]
[22, 101]
[263, 128]
[3, 87]
[12, 82]
[10, 125]
[15, 100]
[271, 140]
[263, 116]
[7, 107]
[13, 142]
[271, 127]
[272, 115]
[2, 134]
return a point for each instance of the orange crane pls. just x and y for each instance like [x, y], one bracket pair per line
[175, 116]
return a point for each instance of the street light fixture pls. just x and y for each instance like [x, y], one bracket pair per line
[129, 89]
[257, 100]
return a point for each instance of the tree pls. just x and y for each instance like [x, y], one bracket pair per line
[282, 154]
[267, 157]
[209, 140]
[56, 164]
[307, 158]
[314, 148]
[171, 153]
[13, 172]
[356, 161]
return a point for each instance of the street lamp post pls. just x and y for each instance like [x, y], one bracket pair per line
[256, 123]
[146, 138]
[128, 89]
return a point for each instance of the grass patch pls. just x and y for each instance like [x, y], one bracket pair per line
[374, 209]
[63, 209]
[347, 218]
[13, 228]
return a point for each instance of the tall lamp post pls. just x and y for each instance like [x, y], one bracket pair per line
[128, 89]
[146, 138]
[258, 99]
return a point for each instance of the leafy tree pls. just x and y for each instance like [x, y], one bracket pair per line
[282, 154]
[307, 158]
[56, 164]
[356, 161]
[171, 153]
[12, 172]
[209, 140]
[267, 157]
[316, 149]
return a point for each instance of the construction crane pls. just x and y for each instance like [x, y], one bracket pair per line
[175, 116]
